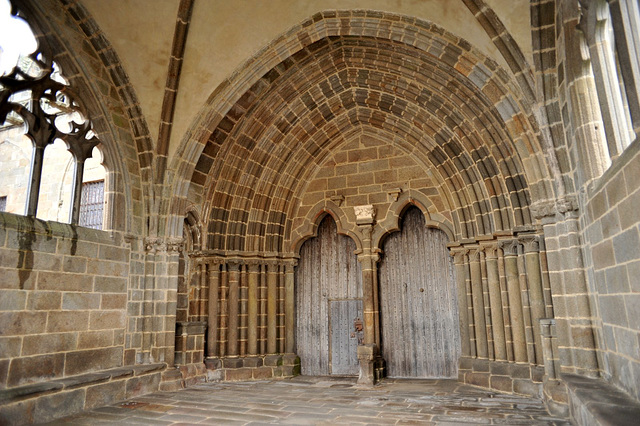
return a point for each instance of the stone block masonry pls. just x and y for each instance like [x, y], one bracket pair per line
[64, 309]
[259, 367]
[612, 260]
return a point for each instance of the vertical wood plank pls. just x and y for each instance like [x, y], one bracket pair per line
[418, 302]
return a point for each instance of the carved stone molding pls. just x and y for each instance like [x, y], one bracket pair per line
[338, 199]
[550, 208]
[154, 245]
[394, 193]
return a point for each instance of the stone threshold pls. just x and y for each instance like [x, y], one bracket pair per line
[596, 402]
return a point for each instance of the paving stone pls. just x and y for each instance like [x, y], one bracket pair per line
[308, 400]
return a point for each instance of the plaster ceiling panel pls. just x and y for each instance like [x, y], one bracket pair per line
[141, 32]
[224, 34]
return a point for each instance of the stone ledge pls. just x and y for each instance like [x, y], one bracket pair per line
[47, 401]
[596, 402]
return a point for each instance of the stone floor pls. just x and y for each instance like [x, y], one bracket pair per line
[321, 400]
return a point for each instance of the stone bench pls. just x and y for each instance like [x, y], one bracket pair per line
[42, 402]
[596, 402]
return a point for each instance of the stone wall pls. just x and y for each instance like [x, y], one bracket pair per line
[612, 251]
[63, 310]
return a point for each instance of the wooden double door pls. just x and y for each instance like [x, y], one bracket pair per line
[417, 301]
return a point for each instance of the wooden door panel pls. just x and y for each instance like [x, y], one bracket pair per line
[344, 337]
[328, 270]
[419, 311]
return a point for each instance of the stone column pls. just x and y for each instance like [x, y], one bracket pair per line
[479, 323]
[510, 249]
[243, 293]
[495, 301]
[201, 292]
[536, 297]
[224, 310]
[214, 309]
[272, 308]
[252, 309]
[365, 216]
[35, 179]
[548, 332]
[289, 308]
[462, 272]
[234, 283]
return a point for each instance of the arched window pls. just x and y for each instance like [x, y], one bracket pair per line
[41, 119]
[612, 30]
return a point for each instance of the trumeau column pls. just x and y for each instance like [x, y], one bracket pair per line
[478, 303]
[462, 272]
[495, 301]
[365, 216]
[536, 297]
[510, 250]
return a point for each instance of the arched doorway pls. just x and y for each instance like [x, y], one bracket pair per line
[418, 305]
[328, 303]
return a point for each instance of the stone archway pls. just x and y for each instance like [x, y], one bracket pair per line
[418, 303]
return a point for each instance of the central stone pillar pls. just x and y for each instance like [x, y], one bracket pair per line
[367, 353]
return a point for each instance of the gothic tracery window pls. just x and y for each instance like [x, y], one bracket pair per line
[45, 134]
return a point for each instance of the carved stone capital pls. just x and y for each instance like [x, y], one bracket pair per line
[458, 254]
[509, 247]
[531, 243]
[491, 250]
[153, 245]
[175, 245]
[474, 254]
[365, 215]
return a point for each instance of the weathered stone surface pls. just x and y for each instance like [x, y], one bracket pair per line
[61, 404]
[141, 385]
[252, 362]
[35, 369]
[104, 394]
[232, 362]
[101, 359]
[238, 374]
[262, 373]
